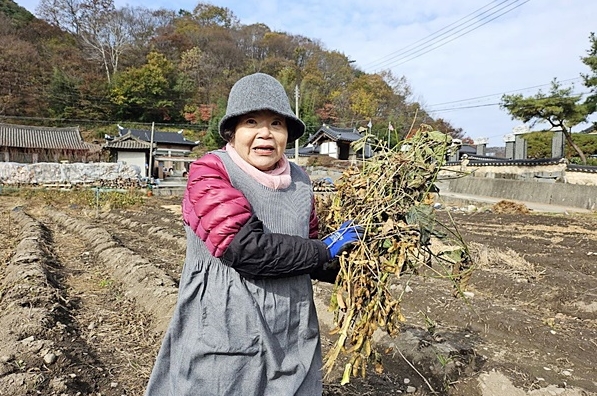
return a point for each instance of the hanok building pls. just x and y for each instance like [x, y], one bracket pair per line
[170, 155]
[32, 144]
[336, 142]
[130, 150]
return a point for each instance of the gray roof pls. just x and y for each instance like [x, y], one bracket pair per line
[23, 136]
[128, 142]
[303, 151]
[467, 149]
[590, 129]
[336, 134]
[158, 137]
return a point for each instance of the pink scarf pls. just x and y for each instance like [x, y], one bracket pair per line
[277, 178]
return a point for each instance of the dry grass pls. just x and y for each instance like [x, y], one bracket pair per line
[503, 260]
[510, 208]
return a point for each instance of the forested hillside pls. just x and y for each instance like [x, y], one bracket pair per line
[91, 64]
[16, 14]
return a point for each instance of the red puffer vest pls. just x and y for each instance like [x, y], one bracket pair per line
[214, 209]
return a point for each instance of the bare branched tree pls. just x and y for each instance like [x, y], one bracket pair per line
[104, 32]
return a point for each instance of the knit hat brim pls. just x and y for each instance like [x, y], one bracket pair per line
[258, 92]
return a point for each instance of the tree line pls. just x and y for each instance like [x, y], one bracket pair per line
[87, 61]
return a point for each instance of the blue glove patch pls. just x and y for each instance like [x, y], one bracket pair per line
[347, 234]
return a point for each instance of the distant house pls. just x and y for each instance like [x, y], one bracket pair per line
[170, 155]
[302, 151]
[32, 144]
[335, 142]
[129, 149]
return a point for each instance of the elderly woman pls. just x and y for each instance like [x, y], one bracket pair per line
[245, 322]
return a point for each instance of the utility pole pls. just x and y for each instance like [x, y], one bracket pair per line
[151, 152]
[389, 130]
[296, 110]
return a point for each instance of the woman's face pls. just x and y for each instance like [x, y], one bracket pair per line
[260, 138]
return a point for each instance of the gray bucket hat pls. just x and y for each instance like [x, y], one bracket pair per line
[256, 92]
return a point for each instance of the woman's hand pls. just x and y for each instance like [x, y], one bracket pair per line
[340, 240]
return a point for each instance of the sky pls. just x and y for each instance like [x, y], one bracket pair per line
[458, 56]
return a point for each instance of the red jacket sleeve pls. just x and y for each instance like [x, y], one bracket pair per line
[211, 206]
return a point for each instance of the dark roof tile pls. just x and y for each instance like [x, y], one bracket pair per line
[336, 134]
[128, 142]
[23, 136]
[158, 137]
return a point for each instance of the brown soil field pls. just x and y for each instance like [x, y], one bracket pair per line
[86, 294]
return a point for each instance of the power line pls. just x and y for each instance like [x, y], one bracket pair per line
[432, 46]
[428, 38]
[418, 54]
[489, 104]
[106, 122]
[465, 107]
[499, 94]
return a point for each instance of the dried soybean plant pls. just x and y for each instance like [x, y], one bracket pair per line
[390, 196]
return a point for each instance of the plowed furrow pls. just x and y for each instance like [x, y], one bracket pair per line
[162, 246]
[153, 289]
[66, 329]
[109, 325]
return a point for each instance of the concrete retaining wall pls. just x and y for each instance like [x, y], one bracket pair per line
[574, 195]
[558, 172]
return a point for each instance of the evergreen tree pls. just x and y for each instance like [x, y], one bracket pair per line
[590, 80]
[213, 140]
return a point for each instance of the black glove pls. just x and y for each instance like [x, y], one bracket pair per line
[328, 275]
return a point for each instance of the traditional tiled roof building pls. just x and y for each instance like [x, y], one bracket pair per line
[167, 143]
[335, 142]
[31, 144]
[128, 142]
[170, 154]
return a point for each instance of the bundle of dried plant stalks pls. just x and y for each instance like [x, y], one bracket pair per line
[390, 196]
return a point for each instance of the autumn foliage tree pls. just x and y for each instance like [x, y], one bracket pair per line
[445, 126]
[93, 60]
[22, 72]
[145, 93]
